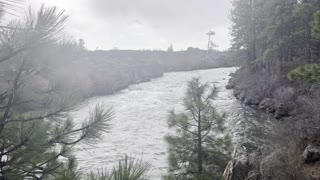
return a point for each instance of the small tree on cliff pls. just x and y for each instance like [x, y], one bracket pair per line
[198, 149]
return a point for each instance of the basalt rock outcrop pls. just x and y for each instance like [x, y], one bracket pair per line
[311, 154]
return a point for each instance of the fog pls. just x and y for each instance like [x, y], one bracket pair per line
[159, 89]
[146, 24]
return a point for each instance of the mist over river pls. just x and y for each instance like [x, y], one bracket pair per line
[140, 122]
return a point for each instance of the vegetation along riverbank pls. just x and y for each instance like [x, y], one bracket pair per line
[279, 46]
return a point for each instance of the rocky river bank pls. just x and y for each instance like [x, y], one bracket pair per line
[274, 159]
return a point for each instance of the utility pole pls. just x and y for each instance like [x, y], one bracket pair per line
[209, 34]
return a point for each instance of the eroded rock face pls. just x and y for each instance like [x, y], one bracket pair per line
[311, 154]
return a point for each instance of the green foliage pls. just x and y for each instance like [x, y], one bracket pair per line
[198, 149]
[69, 172]
[274, 32]
[308, 73]
[316, 25]
[127, 169]
[35, 137]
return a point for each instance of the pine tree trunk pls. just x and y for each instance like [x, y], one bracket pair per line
[199, 144]
[308, 18]
[253, 32]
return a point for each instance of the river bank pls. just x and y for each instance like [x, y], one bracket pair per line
[294, 150]
[107, 72]
[87, 74]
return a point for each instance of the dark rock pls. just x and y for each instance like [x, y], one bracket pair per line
[231, 84]
[271, 110]
[238, 168]
[252, 100]
[232, 74]
[281, 111]
[236, 92]
[267, 103]
[311, 154]
[242, 96]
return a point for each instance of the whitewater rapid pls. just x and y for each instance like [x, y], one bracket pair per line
[140, 121]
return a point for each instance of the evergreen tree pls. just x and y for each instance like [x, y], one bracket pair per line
[33, 137]
[275, 33]
[244, 27]
[308, 73]
[198, 149]
[127, 169]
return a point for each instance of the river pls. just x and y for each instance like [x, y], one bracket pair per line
[139, 125]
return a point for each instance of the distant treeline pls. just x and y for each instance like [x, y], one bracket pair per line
[69, 67]
[109, 71]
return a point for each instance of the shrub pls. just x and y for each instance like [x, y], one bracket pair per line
[284, 95]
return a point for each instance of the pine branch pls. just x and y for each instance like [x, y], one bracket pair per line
[12, 54]
[54, 113]
[14, 148]
[11, 96]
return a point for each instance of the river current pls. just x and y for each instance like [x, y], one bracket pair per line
[140, 121]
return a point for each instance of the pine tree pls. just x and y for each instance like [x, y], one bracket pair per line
[34, 138]
[127, 168]
[244, 27]
[308, 73]
[197, 150]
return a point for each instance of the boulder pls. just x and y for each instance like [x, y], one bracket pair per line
[231, 84]
[271, 109]
[273, 166]
[242, 96]
[236, 92]
[238, 168]
[252, 100]
[281, 111]
[232, 74]
[311, 154]
[267, 103]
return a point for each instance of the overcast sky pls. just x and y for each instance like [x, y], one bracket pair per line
[145, 24]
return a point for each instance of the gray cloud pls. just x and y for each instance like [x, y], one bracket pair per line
[146, 24]
[165, 12]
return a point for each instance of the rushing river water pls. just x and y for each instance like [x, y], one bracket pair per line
[139, 125]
